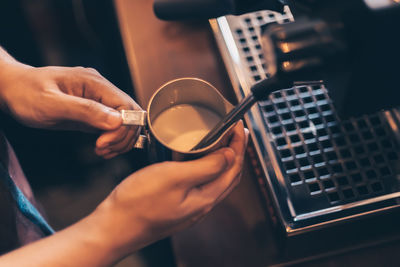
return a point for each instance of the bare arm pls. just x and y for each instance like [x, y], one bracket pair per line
[82, 244]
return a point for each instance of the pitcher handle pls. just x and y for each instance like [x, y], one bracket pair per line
[136, 118]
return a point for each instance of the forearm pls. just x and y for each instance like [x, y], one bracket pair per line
[86, 243]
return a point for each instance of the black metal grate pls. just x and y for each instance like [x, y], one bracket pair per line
[345, 161]
[248, 42]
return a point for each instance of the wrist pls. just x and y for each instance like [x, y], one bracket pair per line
[6, 60]
[5, 57]
[120, 235]
[12, 72]
[11, 67]
[8, 64]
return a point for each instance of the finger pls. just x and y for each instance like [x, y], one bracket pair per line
[238, 140]
[98, 88]
[209, 195]
[229, 190]
[196, 172]
[216, 187]
[102, 152]
[111, 137]
[219, 188]
[202, 202]
[110, 155]
[87, 112]
[206, 169]
[123, 145]
[132, 142]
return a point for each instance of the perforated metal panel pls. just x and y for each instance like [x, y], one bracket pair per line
[246, 35]
[320, 169]
[341, 161]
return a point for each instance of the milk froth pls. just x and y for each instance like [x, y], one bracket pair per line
[182, 127]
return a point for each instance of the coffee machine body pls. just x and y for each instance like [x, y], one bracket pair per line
[367, 79]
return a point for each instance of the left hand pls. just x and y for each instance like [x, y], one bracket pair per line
[166, 197]
[68, 98]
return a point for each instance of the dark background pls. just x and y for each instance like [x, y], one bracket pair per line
[67, 177]
[63, 33]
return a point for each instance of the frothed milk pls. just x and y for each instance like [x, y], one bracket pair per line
[183, 126]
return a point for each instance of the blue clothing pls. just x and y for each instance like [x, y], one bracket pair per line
[23, 204]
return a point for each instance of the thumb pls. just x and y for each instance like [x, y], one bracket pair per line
[91, 113]
[207, 168]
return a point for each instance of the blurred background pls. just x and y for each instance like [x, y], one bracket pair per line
[67, 177]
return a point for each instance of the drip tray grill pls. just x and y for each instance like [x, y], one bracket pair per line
[327, 161]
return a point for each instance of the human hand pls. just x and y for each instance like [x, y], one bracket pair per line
[163, 198]
[71, 99]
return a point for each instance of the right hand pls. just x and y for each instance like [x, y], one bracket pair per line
[163, 198]
[69, 99]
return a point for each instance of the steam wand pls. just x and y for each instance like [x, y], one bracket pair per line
[259, 91]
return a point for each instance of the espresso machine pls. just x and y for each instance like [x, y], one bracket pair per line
[327, 146]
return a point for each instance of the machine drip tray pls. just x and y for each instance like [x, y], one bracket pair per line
[318, 169]
[330, 166]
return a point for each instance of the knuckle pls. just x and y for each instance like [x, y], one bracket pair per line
[95, 109]
[92, 71]
[90, 105]
[127, 102]
[79, 69]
